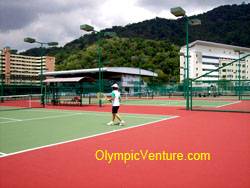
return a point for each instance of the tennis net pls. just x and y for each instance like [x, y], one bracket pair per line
[135, 96]
[16, 102]
[93, 99]
[138, 95]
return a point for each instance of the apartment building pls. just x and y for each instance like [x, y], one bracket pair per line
[22, 69]
[207, 56]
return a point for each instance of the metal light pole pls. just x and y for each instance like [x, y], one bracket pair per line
[180, 12]
[153, 83]
[239, 73]
[1, 64]
[140, 79]
[32, 40]
[89, 28]
[184, 74]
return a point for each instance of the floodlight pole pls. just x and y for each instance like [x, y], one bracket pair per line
[1, 63]
[178, 11]
[239, 74]
[89, 28]
[31, 40]
[187, 49]
[99, 65]
[41, 72]
[153, 83]
[139, 78]
[184, 74]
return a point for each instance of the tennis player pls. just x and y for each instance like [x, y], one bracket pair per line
[116, 100]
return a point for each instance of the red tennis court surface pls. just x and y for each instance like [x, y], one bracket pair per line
[225, 135]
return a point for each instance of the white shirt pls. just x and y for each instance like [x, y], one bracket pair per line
[116, 96]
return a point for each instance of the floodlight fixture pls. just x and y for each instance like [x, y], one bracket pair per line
[52, 43]
[29, 40]
[178, 11]
[194, 22]
[87, 27]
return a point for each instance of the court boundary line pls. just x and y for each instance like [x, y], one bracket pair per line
[40, 118]
[228, 104]
[91, 112]
[3, 154]
[80, 113]
[86, 137]
[12, 119]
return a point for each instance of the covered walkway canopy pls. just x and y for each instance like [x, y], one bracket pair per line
[130, 79]
[69, 90]
[71, 79]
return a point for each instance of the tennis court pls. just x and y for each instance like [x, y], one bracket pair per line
[28, 129]
[56, 147]
[71, 162]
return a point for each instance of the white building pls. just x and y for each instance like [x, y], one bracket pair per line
[207, 56]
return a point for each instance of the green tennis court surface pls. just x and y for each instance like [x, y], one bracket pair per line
[32, 128]
[205, 103]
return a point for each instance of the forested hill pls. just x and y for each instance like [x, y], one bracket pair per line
[154, 44]
[229, 24]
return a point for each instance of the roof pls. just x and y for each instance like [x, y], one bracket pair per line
[72, 79]
[219, 45]
[121, 70]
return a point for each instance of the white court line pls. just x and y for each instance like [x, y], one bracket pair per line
[96, 113]
[80, 113]
[48, 117]
[86, 137]
[228, 104]
[10, 119]
[1, 153]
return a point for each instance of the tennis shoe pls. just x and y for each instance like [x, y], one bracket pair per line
[110, 123]
[122, 123]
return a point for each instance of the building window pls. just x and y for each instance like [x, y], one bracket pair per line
[208, 63]
[210, 70]
[210, 57]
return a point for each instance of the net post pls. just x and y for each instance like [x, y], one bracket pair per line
[191, 96]
[81, 97]
[89, 99]
[30, 98]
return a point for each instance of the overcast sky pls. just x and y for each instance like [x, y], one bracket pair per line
[59, 20]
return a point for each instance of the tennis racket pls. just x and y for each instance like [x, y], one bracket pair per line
[102, 97]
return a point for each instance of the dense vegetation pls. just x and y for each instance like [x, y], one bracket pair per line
[159, 56]
[149, 44]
